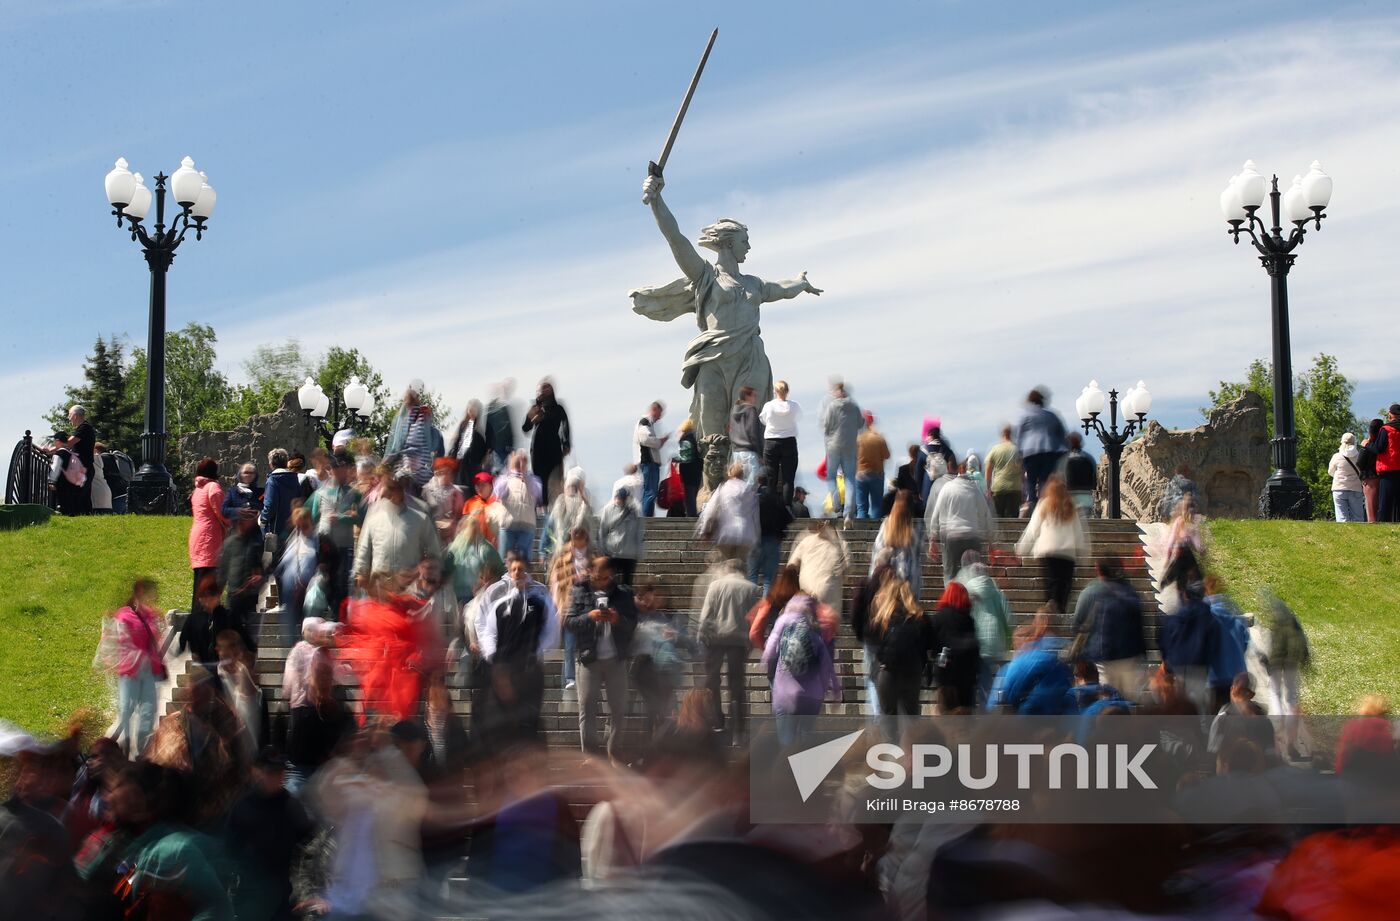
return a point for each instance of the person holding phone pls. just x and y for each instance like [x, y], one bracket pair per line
[603, 619]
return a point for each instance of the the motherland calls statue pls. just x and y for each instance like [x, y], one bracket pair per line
[728, 354]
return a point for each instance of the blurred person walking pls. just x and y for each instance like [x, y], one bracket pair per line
[799, 503]
[784, 588]
[395, 536]
[822, 559]
[730, 519]
[902, 638]
[500, 427]
[571, 568]
[898, 544]
[444, 499]
[1189, 640]
[471, 445]
[483, 506]
[991, 614]
[621, 536]
[933, 445]
[130, 649]
[660, 652]
[294, 570]
[961, 520]
[774, 517]
[337, 509]
[570, 510]
[317, 721]
[412, 438]
[520, 494]
[1348, 497]
[101, 489]
[1040, 440]
[550, 440]
[798, 660]
[241, 572]
[872, 451]
[516, 624]
[1080, 474]
[691, 464]
[906, 479]
[1370, 480]
[779, 417]
[862, 608]
[243, 493]
[646, 454]
[957, 656]
[746, 434]
[939, 474]
[722, 628]
[1108, 629]
[841, 427]
[1055, 536]
[603, 618]
[1287, 656]
[283, 487]
[207, 522]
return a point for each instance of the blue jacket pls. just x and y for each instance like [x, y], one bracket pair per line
[1039, 431]
[1190, 637]
[282, 487]
[1035, 682]
[1112, 612]
[1234, 640]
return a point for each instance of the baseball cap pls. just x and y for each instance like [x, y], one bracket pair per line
[482, 477]
[1395, 409]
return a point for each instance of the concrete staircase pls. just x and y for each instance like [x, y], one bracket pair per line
[675, 559]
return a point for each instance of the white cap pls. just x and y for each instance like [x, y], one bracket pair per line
[416, 386]
[341, 439]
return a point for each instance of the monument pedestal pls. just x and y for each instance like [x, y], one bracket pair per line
[1285, 496]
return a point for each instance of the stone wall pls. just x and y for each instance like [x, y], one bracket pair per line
[286, 428]
[1228, 457]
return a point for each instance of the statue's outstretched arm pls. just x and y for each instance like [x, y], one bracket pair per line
[782, 290]
[692, 264]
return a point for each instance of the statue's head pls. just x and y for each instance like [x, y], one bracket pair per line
[726, 234]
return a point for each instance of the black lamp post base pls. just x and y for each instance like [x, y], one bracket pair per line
[152, 492]
[1286, 496]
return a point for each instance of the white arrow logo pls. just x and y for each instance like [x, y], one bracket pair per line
[810, 767]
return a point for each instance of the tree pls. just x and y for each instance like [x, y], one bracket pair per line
[195, 393]
[1322, 411]
[334, 370]
[106, 395]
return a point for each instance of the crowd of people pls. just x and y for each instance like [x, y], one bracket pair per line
[412, 577]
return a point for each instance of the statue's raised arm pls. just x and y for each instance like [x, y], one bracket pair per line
[691, 263]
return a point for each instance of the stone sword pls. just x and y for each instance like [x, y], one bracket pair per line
[655, 167]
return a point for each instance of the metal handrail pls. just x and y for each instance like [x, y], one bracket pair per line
[28, 478]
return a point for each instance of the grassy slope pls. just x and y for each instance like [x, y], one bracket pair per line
[1340, 580]
[56, 583]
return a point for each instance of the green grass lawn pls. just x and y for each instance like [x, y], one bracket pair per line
[1340, 580]
[57, 580]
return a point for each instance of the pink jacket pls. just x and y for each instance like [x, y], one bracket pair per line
[207, 531]
[132, 637]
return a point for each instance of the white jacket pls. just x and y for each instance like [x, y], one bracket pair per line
[1044, 537]
[1345, 469]
[822, 567]
[731, 515]
[394, 538]
[646, 436]
[961, 511]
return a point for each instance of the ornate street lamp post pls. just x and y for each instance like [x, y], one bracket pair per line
[1285, 494]
[1136, 404]
[152, 491]
[356, 400]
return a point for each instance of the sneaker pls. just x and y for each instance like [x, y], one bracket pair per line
[568, 685]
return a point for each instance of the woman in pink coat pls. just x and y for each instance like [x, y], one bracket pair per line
[207, 531]
[131, 650]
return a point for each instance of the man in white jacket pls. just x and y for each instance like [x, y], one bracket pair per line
[395, 536]
[960, 520]
[646, 454]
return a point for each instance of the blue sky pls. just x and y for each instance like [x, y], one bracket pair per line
[993, 195]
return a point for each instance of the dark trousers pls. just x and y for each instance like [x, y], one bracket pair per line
[1038, 468]
[1388, 496]
[1008, 504]
[690, 476]
[200, 573]
[624, 570]
[1058, 573]
[898, 693]
[512, 696]
[780, 464]
[734, 659]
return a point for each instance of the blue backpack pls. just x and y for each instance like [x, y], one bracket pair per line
[795, 647]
